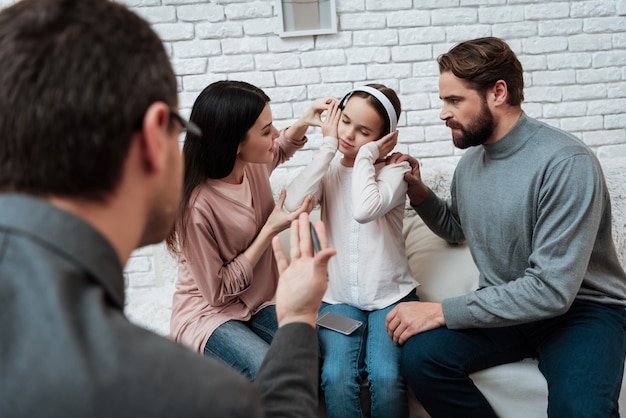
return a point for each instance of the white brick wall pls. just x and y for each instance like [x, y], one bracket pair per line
[573, 53]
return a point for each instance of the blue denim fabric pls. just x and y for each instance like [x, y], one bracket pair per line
[581, 354]
[367, 353]
[243, 345]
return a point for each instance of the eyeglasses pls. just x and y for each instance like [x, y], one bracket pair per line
[187, 125]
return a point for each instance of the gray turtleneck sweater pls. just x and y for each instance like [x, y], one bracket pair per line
[535, 211]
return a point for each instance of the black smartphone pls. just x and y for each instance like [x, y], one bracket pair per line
[316, 241]
[338, 323]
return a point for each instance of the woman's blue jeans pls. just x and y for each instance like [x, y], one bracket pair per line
[581, 354]
[367, 353]
[242, 345]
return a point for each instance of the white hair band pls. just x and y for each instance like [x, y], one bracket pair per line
[380, 96]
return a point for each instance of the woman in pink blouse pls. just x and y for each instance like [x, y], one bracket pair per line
[223, 305]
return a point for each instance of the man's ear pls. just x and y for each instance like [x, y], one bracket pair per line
[155, 132]
[500, 92]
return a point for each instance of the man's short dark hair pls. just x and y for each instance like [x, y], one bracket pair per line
[482, 62]
[76, 77]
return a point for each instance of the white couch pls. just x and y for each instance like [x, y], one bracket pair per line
[514, 390]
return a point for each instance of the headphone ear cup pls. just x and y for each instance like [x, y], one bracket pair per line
[342, 102]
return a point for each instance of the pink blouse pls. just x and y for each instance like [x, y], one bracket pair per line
[216, 282]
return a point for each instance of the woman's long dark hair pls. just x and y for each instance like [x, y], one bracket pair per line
[225, 111]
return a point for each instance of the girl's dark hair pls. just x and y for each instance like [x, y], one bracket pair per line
[482, 62]
[380, 108]
[225, 111]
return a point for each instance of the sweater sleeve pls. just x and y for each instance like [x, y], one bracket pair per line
[374, 194]
[285, 148]
[309, 180]
[218, 282]
[288, 378]
[569, 211]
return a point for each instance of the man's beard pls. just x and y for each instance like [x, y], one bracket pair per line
[479, 129]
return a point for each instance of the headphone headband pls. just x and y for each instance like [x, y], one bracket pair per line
[380, 96]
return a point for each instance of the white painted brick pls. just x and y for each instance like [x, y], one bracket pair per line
[328, 89]
[598, 75]
[615, 121]
[277, 61]
[437, 4]
[219, 30]
[606, 106]
[538, 45]
[260, 79]
[560, 27]
[297, 77]
[142, 251]
[200, 12]
[197, 83]
[350, 6]
[562, 110]
[604, 137]
[552, 10]
[140, 279]
[612, 151]
[157, 14]
[389, 71]
[456, 16]
[560, 77]
[249, 10]
[603, 24]
[438, 133]
[280, 112]
[534, 110]
[422, 117]
[411, 53]
[609, 58]
[621, 7]
[244, 46]
[190, 66]
[301, 43]
[421, 35]
[360, 22]
[533, 62]
[352, 73]
[388, 4]
[584, 123]
[503, 14]
[179, 2]
[482, 2]
[196, 48]
[337, 40]
[286, 94]
[132, 3]
[327, 57]
[592, 8]
[368, 54]
[410, 134]
[138, 264]
[615, 90]
[415, 102]
[460, 33]
[432, 149]
[543, 94]
[587, 42]
[174, 31]
[515, 30]
[419, 85]
[618, 40]
[260, 26]
[375, 38]
[569, 60]
[228, 63]
[408, 18]
[584, 92]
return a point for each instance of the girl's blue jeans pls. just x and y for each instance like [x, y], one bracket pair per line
[242, 345]
[368, 354]
[581, 354]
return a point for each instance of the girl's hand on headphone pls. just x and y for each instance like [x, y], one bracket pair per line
[386, 144]
[329, 127]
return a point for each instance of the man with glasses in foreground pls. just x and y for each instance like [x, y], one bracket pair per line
[90, 169]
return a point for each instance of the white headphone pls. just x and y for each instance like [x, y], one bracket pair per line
[384, 100]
